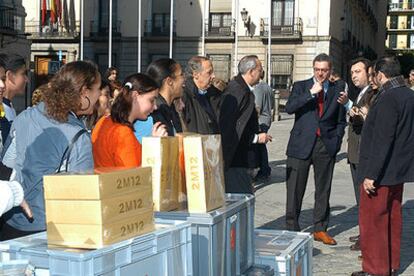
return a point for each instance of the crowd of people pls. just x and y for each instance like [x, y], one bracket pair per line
[80, 120]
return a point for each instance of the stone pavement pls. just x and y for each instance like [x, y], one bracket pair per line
[327, 260]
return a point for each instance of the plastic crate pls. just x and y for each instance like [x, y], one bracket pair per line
[288, 253]
[259, 270]
[164, 252]
[222, 239]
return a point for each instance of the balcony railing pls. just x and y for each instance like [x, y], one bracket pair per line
[7, 19]
[398, 7]
[102, 29]
[152, 29]
[282, 31]
[51, 31]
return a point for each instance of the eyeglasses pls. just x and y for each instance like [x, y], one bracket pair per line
[323, 70]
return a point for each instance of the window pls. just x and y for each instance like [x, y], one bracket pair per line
[411, 41]
[281, 71]
[161, 23]
[221, 65]
[283, 12]
[220, 23]
[393, 22]
[392, 41]
[104, 15]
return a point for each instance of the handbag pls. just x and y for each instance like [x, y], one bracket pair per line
[68, 150]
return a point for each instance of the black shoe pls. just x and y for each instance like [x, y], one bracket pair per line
[262, 177]
[362, 273]
[355, 247]
[354, 238]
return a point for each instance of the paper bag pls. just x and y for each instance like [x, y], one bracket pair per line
[204, 173]
[161, 154]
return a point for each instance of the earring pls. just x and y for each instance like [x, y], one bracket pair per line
[89, 104]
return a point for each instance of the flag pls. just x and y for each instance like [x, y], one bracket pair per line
[58, 5]
[43, 12]
[65, 17]
[72, 18]
[52, 11]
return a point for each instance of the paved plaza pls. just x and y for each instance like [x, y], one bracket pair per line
[327, 260]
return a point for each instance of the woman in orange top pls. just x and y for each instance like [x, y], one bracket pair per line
[113, 140]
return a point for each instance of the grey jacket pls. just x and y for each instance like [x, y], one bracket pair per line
[264, 102]
[39, 144]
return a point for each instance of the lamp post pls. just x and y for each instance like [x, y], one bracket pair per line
[246, 20]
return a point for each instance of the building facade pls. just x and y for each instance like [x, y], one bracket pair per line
[298, 29]
[54, 28]
[400, 26]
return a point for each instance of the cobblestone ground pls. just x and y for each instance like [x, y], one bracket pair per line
[327, 260]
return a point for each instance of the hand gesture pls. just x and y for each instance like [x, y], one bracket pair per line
[159, 130]
[264, 138]
[368, 186]
[316, 88]
[26, 209]
[354, 111]
[343, 98]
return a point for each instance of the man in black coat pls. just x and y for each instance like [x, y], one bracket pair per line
[200, 113]
[240, 127]
[315, 140]
[386, 162]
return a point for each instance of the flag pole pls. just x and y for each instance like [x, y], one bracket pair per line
[269, 44]
[171, 27]
[203, 32]
[110, 35]
[139, 36]
[236, 35]
[81, 29]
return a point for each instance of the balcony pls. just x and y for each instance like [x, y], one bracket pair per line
[222, 33]
[282, 32]
[160, 29]
[401, 7]
[7, 24]
[101, 29]
[52, 31]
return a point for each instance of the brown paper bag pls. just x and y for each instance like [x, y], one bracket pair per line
[204, 173]
[182, 189]
[161, 154]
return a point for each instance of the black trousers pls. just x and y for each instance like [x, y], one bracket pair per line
[8, 232]
[238, 180]
[354, 168]
[297, 176]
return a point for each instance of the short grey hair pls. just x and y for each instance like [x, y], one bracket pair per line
[194, 65]
[247, 63]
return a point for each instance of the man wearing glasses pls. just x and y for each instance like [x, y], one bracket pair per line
[315, 140]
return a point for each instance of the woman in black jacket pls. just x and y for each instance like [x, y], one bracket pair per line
[169, 76]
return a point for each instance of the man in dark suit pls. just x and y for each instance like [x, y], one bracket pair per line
[386, 162]
[200, 114]
[239, 127]
[315, 140]
[359, 76]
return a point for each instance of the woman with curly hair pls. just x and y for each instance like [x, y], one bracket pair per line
[41, 136]
[113, 139]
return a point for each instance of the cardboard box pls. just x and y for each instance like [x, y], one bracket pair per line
[161, 154]
[98, 235]
[204, 173]
[105, 184]
[99, 211]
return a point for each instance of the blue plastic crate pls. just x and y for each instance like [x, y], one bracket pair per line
[222, 240]
[165, 251]
[288, 253]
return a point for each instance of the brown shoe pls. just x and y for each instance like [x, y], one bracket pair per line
[355, 247]
[324, 237]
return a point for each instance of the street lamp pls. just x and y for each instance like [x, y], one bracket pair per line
[246, 20]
